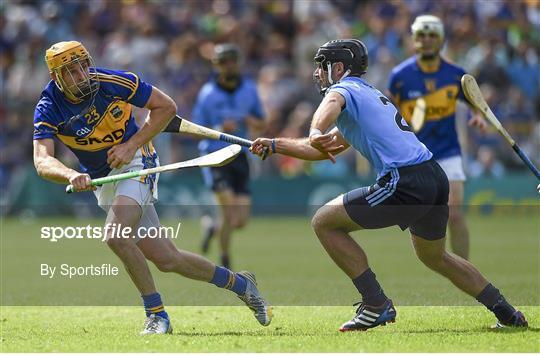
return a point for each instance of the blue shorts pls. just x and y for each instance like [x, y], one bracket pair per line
[414, 197]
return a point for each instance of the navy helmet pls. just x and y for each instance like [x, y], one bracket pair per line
[351, 52]
[226, 51]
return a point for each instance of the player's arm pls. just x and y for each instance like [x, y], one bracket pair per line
[327, 112]
[477, 120]
[162, 110]
[52, 169]
[318, 146]
[325, 117]
[300, 147]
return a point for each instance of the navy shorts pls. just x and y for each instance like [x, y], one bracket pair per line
[233, 176]
[414, 197]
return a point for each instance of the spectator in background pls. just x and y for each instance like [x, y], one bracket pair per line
[489, 70]
[524, 69]
[486, 164]
[517, 114]
[277, 37]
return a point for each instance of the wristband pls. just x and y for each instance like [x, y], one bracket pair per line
[314, 131]
[273, 145]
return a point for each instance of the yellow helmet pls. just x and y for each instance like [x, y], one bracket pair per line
[74, 70]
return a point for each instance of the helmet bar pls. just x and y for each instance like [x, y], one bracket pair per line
[351, 52]
[74, 70]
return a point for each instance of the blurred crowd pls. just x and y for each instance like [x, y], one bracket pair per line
[169, 44]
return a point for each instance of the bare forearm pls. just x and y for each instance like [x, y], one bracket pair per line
[298, 148]
[156, 121]
[53, 170]
[327, 113]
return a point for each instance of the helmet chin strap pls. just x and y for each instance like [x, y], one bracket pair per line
[346, 74]
[329, 69]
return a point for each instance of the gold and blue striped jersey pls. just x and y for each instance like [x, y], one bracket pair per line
[440, 90]
[90, 128]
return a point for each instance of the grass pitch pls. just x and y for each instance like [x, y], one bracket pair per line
[233, 329]
[312, 297]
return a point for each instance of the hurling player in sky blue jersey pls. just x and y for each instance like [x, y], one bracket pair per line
[411, 189]
[438, 82]
[89, 110]
[229, 102]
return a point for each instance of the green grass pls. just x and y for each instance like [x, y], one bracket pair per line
[233, 329]
[312, 296]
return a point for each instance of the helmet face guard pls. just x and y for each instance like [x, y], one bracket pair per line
[78, 79]
[74, 70]
[351, 52]
[323, 83]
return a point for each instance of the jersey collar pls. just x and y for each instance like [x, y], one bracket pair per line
[424, 69]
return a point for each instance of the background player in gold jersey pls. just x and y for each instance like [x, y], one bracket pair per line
[426, 88]
[89, 110]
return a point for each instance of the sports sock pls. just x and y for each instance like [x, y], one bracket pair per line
[372, 293]
[225, 278]
[493, 300]
[153, 305]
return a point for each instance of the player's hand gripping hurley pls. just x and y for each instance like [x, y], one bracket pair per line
[474, 95]
[217, 158]
[181, 125]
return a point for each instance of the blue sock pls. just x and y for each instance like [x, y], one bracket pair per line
[153, 305]
[225, 278]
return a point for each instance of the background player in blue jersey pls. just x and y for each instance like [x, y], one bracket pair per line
[429, 77]
[89, 110]
[229, 102]
[411, 189]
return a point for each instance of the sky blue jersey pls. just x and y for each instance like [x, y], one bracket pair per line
[440, 90]
[372, 125]
[90, 129]
[215, 105]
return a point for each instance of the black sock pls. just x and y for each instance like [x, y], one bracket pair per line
[369, 288]
[493, 300]
[225, 262]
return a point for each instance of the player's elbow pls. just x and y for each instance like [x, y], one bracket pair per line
[161, 104]
[170, 108]
[40, 166]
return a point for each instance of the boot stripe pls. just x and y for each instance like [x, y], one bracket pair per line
[362, 322]
[367, 318]
[371, 313]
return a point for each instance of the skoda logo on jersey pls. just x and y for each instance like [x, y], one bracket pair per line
[117, 112]
[83, 131]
